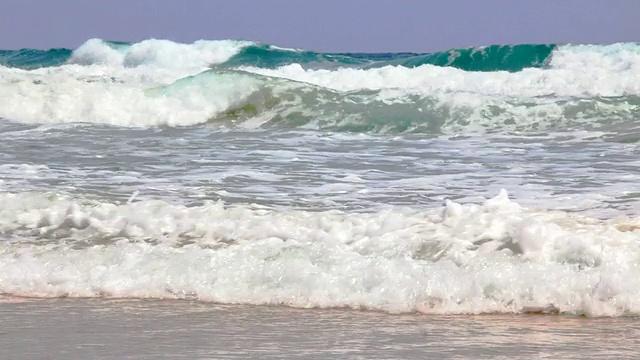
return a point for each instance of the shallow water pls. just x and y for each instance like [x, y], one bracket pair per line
[320, 171]
[147, 329]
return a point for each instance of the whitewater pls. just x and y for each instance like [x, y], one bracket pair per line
[496, 179]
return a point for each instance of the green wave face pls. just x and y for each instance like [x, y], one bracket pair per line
[266, 102]
[267, 56]
[33, 59]
[491, 58]
[118, 45]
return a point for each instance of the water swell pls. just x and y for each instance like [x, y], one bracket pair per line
[29, 59]
[282, 103]
[267, 56]
[233, 54]
[490, 58]
[240, 99]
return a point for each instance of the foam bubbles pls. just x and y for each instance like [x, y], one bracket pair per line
[157, 53]
[572, 79]
[59, 98]
[464, 258]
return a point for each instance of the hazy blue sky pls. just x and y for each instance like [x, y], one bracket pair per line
[329, 25]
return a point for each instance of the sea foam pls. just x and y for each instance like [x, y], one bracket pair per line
[489, 257]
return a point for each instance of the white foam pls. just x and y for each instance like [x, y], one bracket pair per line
[464, 258]
[13, 174]
[571, 79]
[157, 53]
[21, 170]
[96, 52]
[58, 98]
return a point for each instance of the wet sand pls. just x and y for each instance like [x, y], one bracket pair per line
[154, 329]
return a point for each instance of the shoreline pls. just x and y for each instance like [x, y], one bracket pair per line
[115, 328]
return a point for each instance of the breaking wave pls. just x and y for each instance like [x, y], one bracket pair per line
[226, 83]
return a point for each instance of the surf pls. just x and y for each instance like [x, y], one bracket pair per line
[240, 84]
[491, 257]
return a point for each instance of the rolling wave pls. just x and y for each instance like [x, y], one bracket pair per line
[231, 84]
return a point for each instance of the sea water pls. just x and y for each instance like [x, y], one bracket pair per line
[489, 180]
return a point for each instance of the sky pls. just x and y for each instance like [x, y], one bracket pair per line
[329, 25]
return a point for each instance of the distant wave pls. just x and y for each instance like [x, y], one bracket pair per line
[33, 59]
[489, 58]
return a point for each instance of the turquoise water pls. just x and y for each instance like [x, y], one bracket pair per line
[489, 58]
[32, 59]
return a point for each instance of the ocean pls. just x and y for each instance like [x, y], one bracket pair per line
[249, 182]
